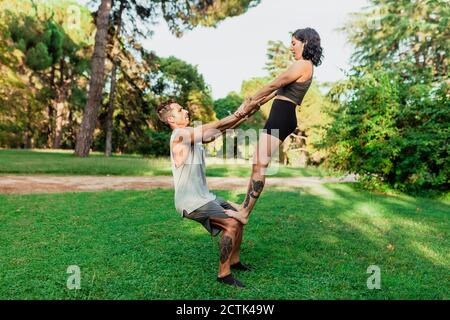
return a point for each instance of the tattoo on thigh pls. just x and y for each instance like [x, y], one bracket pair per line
[226, 245]
[254, 191]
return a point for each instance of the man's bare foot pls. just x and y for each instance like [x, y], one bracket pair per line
[239, 216]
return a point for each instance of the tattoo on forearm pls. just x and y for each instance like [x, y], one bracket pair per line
[226, 246]
[254, 191]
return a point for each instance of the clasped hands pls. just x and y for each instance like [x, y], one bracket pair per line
[248, 107]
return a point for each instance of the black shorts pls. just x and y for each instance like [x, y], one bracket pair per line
[213, 209]
[282, 119]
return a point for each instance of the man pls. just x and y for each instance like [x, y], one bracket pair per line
[193, 200]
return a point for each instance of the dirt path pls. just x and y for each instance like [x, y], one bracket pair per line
[19, 184]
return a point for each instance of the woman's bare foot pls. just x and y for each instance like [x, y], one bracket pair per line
[239, 216]
[235, 205]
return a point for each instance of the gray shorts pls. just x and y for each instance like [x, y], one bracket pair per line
[213, 209]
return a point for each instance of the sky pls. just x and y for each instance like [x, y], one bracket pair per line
[236, 49]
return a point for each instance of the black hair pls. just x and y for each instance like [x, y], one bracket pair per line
[312, 49]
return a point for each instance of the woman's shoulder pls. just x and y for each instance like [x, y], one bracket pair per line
[307, 64]
[304, 68]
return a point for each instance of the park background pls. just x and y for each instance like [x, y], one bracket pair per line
[79, 85]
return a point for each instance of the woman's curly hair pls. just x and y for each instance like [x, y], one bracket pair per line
[312, 49]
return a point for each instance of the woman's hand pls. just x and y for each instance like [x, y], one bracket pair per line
[247, 107]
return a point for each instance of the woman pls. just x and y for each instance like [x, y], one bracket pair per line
[291, 86]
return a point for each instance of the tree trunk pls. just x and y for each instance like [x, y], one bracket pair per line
[27, 140]
[28, 132]
[60, 114]
[87, 127]
[109, 118]
[60, 105]
[51, 112]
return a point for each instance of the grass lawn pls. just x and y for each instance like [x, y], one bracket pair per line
[14, 161]
[307, 244]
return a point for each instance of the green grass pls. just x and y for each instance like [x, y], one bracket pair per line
[15, 161]
[307, 244]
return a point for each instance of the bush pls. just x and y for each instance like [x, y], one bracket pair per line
[155, 143]
[393, 132]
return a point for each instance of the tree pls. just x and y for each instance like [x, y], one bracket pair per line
[226, 106]
[115, 44]
[84, 137]
[405, 35]
[49, 60]
[279, 57]
[180, 16]
[392, 122]
[181, 81]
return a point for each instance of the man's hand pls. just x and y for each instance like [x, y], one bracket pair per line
[249, 106]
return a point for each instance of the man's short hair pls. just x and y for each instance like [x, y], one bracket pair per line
[164, 110]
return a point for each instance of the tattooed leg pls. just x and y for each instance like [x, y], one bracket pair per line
[227, 243]
[226, 246]
[256, 186]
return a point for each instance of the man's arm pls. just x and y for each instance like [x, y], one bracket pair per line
[205, 132]
[179, 151]
[248, 109]
[209, 131]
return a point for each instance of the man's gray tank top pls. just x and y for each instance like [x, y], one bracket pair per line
[191, 190]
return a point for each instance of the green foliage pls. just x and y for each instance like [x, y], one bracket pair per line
[226, 106]
[42, 43]
[409, 36]
[38, 57]
[180, 80]
[185, 15]
[392, 132]
[45, 49]
[392, 125]
[41, 65]
[155, 143]
[55, 41]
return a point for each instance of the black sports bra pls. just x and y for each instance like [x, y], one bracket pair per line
[295, 90]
